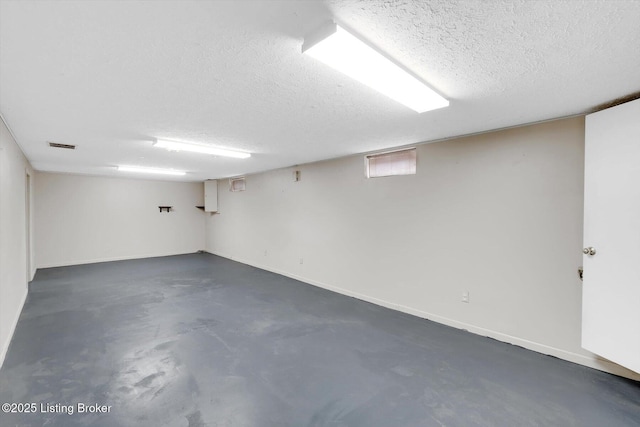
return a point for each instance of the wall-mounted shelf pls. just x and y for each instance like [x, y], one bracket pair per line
[165, 208]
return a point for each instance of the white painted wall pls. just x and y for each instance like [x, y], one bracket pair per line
[498, 215]
[14, 272]
[84, 219]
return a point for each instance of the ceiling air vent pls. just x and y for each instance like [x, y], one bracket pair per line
[67, 146]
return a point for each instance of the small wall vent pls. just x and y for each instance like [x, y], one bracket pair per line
[66, 146]
[237, 184]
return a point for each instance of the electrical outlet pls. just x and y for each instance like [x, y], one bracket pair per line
[301, 261]
[465, 296]
[265, 252]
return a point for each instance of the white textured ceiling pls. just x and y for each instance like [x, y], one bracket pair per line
[110, 76]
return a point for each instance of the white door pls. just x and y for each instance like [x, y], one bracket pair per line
[611, 287]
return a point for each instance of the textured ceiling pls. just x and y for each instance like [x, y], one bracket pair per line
[110, 76]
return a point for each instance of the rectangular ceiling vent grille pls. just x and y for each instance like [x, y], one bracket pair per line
[66, 146]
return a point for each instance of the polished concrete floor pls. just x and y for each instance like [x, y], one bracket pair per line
[198, 340]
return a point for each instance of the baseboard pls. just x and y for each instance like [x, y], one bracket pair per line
[593, 361]
[5, 345]
[111, 259]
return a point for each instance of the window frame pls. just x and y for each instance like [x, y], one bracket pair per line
[369, 157]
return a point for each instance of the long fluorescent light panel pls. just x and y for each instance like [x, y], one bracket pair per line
[138, 169]
[347, 54]
[199, 148]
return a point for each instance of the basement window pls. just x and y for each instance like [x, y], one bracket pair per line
[237, 184]
[401, 162]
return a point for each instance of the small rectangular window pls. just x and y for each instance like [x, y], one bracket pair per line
[237, 184]
[401, 162]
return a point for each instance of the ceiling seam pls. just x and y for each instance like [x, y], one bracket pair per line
[15, 139]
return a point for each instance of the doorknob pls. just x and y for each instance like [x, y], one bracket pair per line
[589, 251]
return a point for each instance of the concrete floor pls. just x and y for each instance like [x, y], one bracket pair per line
[198, 340]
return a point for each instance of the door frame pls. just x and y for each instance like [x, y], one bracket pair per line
[28, 222]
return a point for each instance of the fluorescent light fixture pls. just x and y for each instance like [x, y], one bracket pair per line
[342, 51]
[199, 148]
[138, 169]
